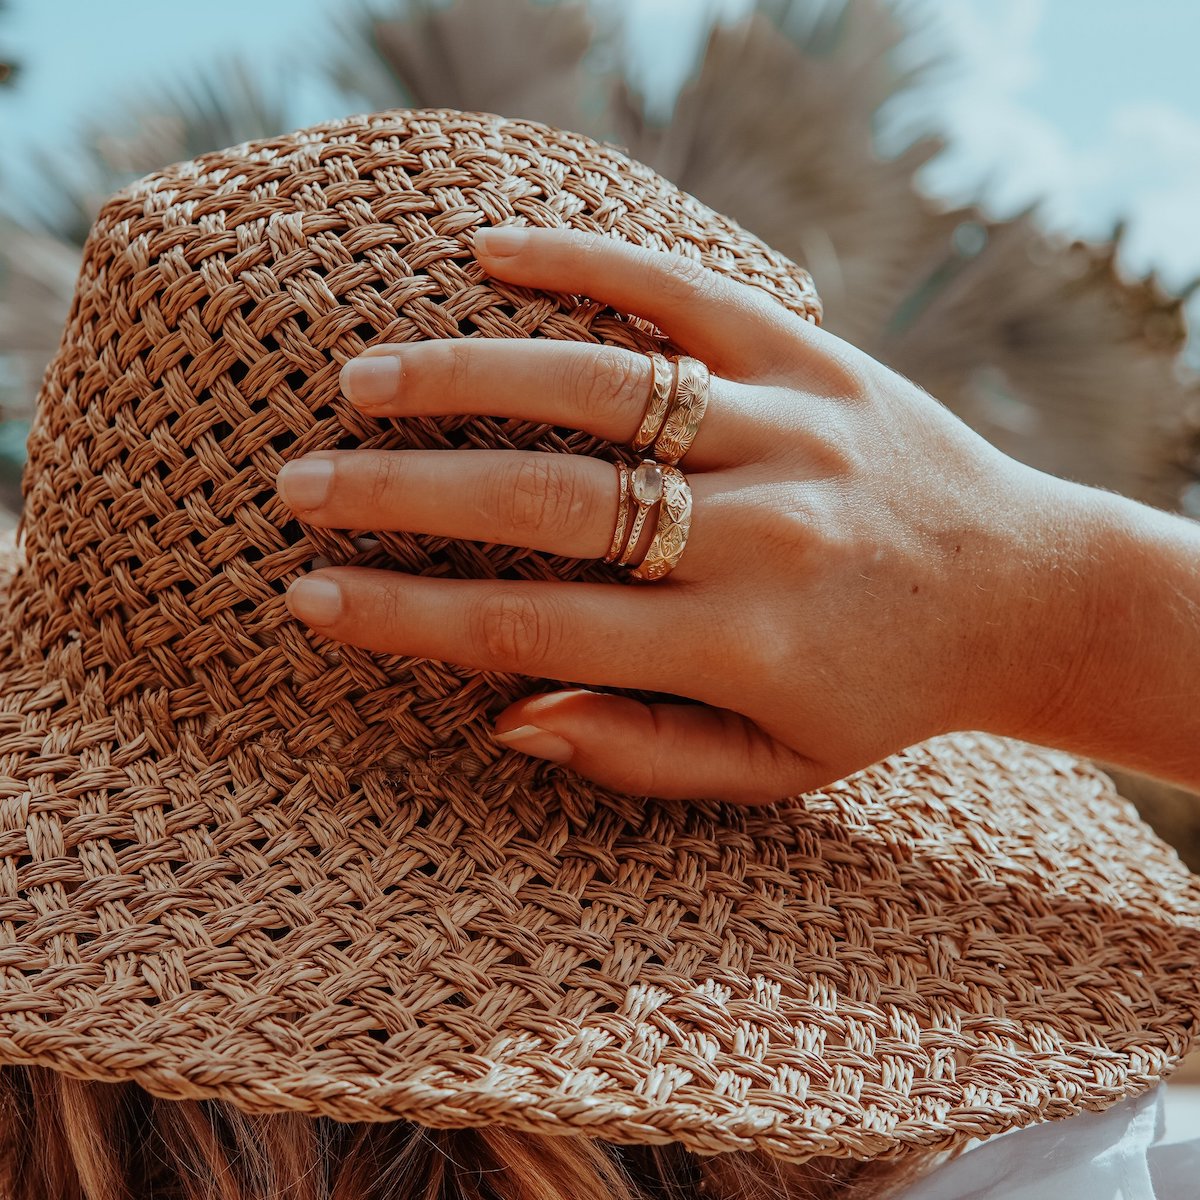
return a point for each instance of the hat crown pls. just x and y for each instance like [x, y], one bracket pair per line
[216, 304]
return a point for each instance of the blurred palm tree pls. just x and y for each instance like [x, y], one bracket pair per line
[227, 103]
[37, 280]
[39, 260]
[1039, 342]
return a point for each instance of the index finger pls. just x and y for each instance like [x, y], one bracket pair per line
[737, 329]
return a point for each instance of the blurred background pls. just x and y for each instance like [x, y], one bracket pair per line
[998, 198]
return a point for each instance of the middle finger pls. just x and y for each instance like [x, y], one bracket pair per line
[564, 504]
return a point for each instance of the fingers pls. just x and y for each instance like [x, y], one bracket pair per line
[593, 634]
[737, 329]
[586, 633]
[602, 390]
[670, 751]
[562, 504]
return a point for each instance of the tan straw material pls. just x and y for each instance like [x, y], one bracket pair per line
[243, 861]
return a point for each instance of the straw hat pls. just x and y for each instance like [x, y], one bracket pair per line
[243, 861]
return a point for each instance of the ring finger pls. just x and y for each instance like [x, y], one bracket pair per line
[564, 504]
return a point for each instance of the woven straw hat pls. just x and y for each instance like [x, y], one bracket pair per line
[242, 861]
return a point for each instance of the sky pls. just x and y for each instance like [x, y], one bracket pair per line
[1085, 105]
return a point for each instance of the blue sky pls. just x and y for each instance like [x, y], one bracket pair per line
[1086, 104]
[1079, 103]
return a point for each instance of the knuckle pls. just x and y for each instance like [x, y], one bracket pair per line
[393, 614]
[600, 382]
[788, 533]
[833, 444]
[686, 280]
[800, 530]
[374, 605]
[384, 482]
[779, 771]
[513, 631]
[832, 372]
[540, 496]
[460, 353]
[575, 248]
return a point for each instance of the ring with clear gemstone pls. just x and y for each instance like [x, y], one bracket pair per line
[646, 486]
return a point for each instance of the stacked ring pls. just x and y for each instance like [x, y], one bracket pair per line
[670, 534]
[663, 377]
[689, 401]
[618, 541]
[678, 399]
[645, 487]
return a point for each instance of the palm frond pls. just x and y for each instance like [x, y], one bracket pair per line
[520, 58]
[227, 104]
[37, 281]
[780, 138]
[1054, 357]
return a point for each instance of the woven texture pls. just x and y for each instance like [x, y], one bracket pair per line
[240, 860]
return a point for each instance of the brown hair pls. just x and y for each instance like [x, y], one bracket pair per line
[68, 1139]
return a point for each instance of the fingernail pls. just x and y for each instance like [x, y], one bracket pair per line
[317, 601]
[500, 243]
[305, 482]
[529, 739]
[372, 380]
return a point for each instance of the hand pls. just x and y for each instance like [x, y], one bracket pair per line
[844, 591]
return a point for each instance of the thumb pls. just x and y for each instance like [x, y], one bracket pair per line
[669, 751]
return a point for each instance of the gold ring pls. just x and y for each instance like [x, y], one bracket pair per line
[662, 383]
[646, 488]
[671, 532]
[689, 400]
[622, 514]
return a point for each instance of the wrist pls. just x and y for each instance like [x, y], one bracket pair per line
[1101, 598]
[1025, 604]
[1055, 598]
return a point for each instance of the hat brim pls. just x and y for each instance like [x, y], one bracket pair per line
[968, 937]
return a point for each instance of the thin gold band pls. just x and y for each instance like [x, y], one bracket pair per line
[636, 532]
[618, 541]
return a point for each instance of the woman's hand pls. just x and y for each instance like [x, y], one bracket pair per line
[853, 583]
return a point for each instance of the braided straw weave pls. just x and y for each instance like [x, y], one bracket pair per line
[242, 861]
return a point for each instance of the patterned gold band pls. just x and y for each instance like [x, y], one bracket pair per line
[674, 522]
[679, 388]
[688, 404]
[649, 484]
[662, 384]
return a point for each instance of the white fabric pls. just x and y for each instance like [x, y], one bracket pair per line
[1114, 1155]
